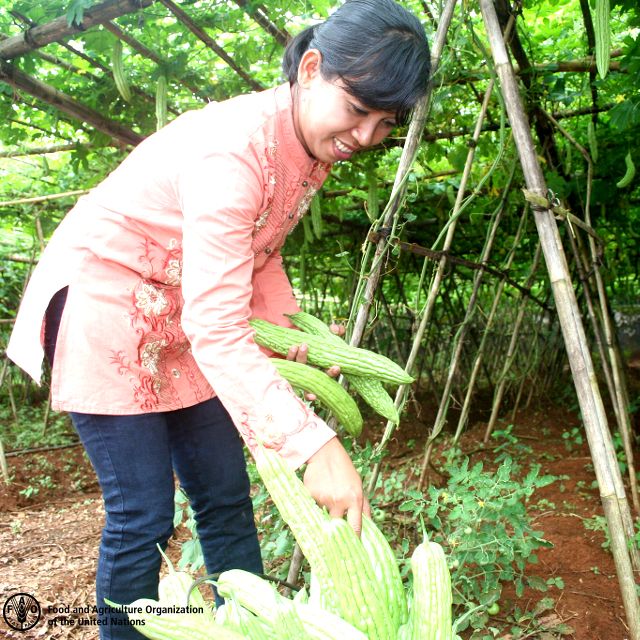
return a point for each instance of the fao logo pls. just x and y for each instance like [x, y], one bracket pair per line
[21, 611]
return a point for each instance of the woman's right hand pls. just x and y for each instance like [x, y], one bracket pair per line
[335, 484]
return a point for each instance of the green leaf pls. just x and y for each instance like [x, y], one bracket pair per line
[75, 12]
[535, 582]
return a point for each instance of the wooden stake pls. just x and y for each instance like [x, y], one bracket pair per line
[259, 14]
[3, 464]
[617, 385]
[459, 340]
[36, 199]
[399, 188]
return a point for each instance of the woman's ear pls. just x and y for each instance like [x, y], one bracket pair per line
[309, 67]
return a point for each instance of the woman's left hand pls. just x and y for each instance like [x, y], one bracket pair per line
[335, 484]
[298, 353]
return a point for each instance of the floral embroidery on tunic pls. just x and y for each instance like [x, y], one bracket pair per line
[261, 221]
[161, 336]
[306, 201]
[145, 393]
[163, 365]
[150, 355]
[173, 263]
[150, 300]
[174, 272]
[163, 351]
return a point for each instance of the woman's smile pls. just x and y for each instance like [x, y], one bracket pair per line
[342, 150]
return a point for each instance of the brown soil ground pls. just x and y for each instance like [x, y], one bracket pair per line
[49, 541]
[590, 602]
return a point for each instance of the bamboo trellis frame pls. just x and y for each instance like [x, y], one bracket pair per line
[615, 505]
[382, 247]
[20, 80]
[148, 53]
[58, 30]
[201, 34]
[373, 275]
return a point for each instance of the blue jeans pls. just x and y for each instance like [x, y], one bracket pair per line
[134, 458]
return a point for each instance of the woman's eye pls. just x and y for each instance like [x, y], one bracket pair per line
[358, 110]
[390, 123]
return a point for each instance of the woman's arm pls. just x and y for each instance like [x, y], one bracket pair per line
[220, 197]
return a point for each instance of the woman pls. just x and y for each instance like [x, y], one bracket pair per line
[147, 286]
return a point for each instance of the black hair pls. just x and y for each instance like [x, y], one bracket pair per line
[377, 48]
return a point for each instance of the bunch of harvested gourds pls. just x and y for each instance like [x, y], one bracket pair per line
[356, 592]
[365, 370]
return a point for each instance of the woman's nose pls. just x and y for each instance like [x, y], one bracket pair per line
[365, 132]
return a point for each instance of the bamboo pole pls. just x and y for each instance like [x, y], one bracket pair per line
[440, 270]
[3, 459]
[365, 299]
[65, 45]
[21, 260]
[4, 468]
[408, 155]
[618, 390]
[431, 299]
[40, 151]
[580, 65]
[202, 35]
[466, 405]
[20, 80]
[620, 397]
[259, 14]
[596, 327]
[12, 401]
[512, 350]
[36, 199]
[59, 28]
[395, 341]
[414, 135]
[459, 340]
[552, 353]
[593, 415]
[63, 64]
[45, 417]
[533, 361]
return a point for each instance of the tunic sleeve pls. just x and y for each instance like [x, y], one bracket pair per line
[220, 198]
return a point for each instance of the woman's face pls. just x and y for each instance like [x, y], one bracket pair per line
[330, 123]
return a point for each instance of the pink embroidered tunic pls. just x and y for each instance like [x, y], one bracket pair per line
[167, 260]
